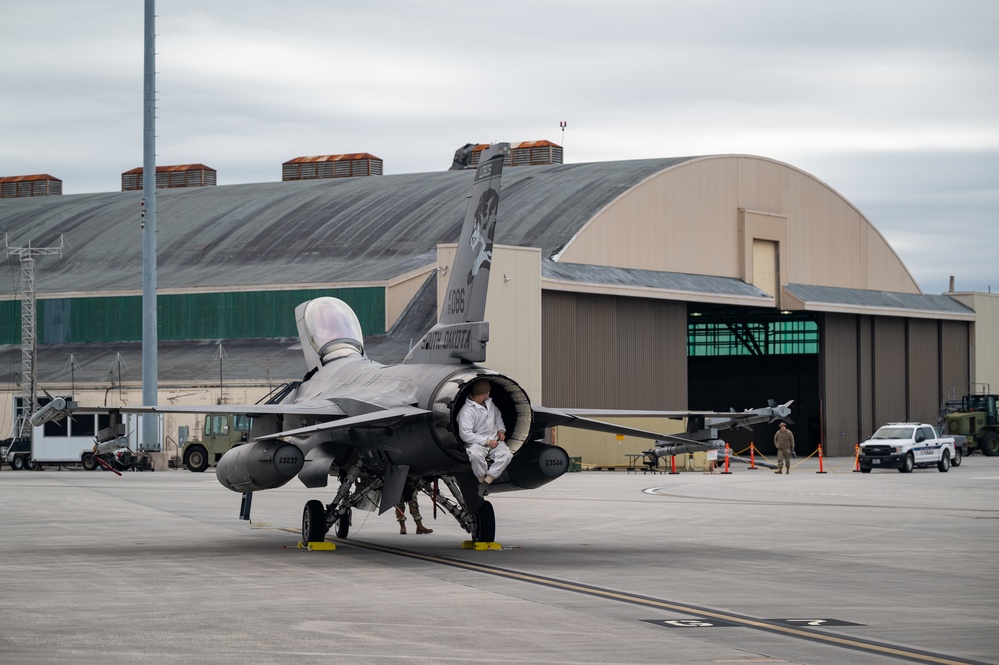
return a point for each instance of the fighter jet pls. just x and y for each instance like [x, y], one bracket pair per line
[386, 431]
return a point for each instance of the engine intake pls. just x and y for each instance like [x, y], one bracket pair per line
[262, 465]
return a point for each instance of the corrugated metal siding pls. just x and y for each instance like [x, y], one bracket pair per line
[865, 368]
[598, 347]
[954, 358]
[227, 315]
[331, 166]
[923, 371]
[602, 352]
[558, 348]
[29, 185]
[889, 370]
[841, 384]
[171, 177]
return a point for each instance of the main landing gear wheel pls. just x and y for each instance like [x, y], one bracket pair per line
[314, 522]
[484, 525]
[343, 525]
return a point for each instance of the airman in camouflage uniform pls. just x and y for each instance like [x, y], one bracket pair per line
[784, 440]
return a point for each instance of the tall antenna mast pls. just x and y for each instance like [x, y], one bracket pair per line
[28, 323]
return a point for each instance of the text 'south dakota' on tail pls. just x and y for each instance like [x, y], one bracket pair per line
[461, 333]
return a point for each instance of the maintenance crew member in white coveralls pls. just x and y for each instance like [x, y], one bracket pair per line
[483, 433]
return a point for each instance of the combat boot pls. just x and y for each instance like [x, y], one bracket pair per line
[779, 470]
[422, 529]
[402, 528]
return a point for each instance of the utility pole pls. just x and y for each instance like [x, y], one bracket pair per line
[28, 323]
[150, 334]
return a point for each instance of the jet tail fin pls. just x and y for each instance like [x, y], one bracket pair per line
[461, 333]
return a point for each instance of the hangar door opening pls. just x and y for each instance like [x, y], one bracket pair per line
[740, 357]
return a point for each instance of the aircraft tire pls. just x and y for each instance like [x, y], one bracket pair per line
[314, 522]
[484, 528]
[343, 525]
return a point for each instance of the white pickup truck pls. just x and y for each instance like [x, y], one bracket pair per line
[904, 446]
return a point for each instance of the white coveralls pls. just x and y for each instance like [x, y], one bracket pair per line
[477, 423]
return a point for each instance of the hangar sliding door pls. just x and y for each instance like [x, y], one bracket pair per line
[616, 353]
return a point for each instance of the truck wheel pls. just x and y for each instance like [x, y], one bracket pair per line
[957, 457]
[990, 444]
[865, 469]
[17, 463]
[944, 464]
[196, 459]
[908, 464]
[88, 462]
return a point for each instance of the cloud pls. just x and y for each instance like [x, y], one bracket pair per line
[892, 103]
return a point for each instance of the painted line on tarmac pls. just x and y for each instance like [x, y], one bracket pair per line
[738, 620]
[669, 492]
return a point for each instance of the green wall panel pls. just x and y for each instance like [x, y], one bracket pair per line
[229, 315]
[10, 321]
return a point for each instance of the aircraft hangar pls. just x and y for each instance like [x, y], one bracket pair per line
[680, 283]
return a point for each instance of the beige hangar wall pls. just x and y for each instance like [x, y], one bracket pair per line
[703, 216]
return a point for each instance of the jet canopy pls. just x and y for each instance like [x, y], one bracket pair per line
[333, 329]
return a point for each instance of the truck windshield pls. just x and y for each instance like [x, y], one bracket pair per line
[893, 433]
[975, 403]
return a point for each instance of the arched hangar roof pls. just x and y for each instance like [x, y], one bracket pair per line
[320, 231]
[692, 221]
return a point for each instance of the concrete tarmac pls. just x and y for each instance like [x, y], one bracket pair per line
[598, 567]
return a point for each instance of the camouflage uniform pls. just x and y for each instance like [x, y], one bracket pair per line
[784, 440]
[414, 512]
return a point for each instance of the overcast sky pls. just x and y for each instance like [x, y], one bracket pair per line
[893, 103]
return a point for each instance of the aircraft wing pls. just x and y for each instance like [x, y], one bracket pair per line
[582, 419]
[676, 415]
[562, 417]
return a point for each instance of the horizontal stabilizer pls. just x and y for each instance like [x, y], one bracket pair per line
[316, 408]
[385, 418]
